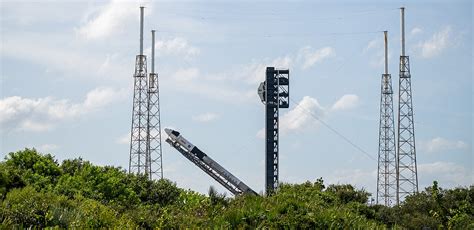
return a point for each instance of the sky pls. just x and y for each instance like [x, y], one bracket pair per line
[66, 83]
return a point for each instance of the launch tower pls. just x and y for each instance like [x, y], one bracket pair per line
[274, 93]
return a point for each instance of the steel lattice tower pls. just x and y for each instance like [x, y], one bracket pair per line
[274, 93]
[387, 170]
[407, 180]
[154, 154]
[139, 161]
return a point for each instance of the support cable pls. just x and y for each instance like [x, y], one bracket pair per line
[346, 139]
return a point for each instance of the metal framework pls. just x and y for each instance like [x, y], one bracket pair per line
[204, 167]
[407, 180]
[154, 152]
[274, 92]
[387, 161]
[139, 160]
[138, 142]
[209, 170]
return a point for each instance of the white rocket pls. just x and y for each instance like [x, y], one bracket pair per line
[178, 139]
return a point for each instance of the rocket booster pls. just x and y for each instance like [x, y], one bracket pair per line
[176, 137]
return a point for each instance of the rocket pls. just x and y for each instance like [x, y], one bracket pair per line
[178, 139]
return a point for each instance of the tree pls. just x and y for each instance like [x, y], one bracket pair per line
[28, 167]
[347, 193]
[29, 208]
[36, 192]
[216, 198]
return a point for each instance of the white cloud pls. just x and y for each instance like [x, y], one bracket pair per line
[437, 43]
[17, 113]
[416, 31]
[348, 101]
[440, 144]
[230, 87]
[376, 43]
[375, 52]
[64, 59]
[175, 46]
[308, 111]
[255, 72]
[206, 117]
[302, 116]
[448, 174]
[110, 19]
[306, 57]
[310, 57]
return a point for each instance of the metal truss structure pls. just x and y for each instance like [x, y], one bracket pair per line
[387, 161]
[407, 180]
[274, 93]
[138, 142]
[154, 152]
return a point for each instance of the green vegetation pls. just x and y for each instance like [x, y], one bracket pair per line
[37, 191]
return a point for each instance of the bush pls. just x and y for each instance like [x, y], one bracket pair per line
[28, 207]
[37, 192]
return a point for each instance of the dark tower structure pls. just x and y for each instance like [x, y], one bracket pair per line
[274, 93]
[407, 180]
[138, 141]
[154, 154]
[387, 161]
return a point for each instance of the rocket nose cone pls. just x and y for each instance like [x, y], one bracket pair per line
[168, 131]
[172, 133]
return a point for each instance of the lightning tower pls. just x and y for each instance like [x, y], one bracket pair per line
[154, 154]
[407, 176]
[387, 161]
[138, 139]
[274, 93]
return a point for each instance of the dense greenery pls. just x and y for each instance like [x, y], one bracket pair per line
[38, 191]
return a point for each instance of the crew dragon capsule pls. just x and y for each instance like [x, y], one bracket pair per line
[175, 136]
[178, 139]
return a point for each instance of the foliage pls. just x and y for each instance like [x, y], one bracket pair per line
[38, 192]
[432, 209]
[346, 193]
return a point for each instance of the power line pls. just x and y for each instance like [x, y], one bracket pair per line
[322, 34]
[334, 131]
[269, 35]
[245, 14]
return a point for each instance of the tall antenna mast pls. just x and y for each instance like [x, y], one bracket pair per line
[153, 51]
[141, 29]
[154, 146]
[385, 42]
[387, 171]
[139, 161]
[407, 173]
[402, 30]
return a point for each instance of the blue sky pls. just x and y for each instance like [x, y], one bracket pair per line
[67, 66]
